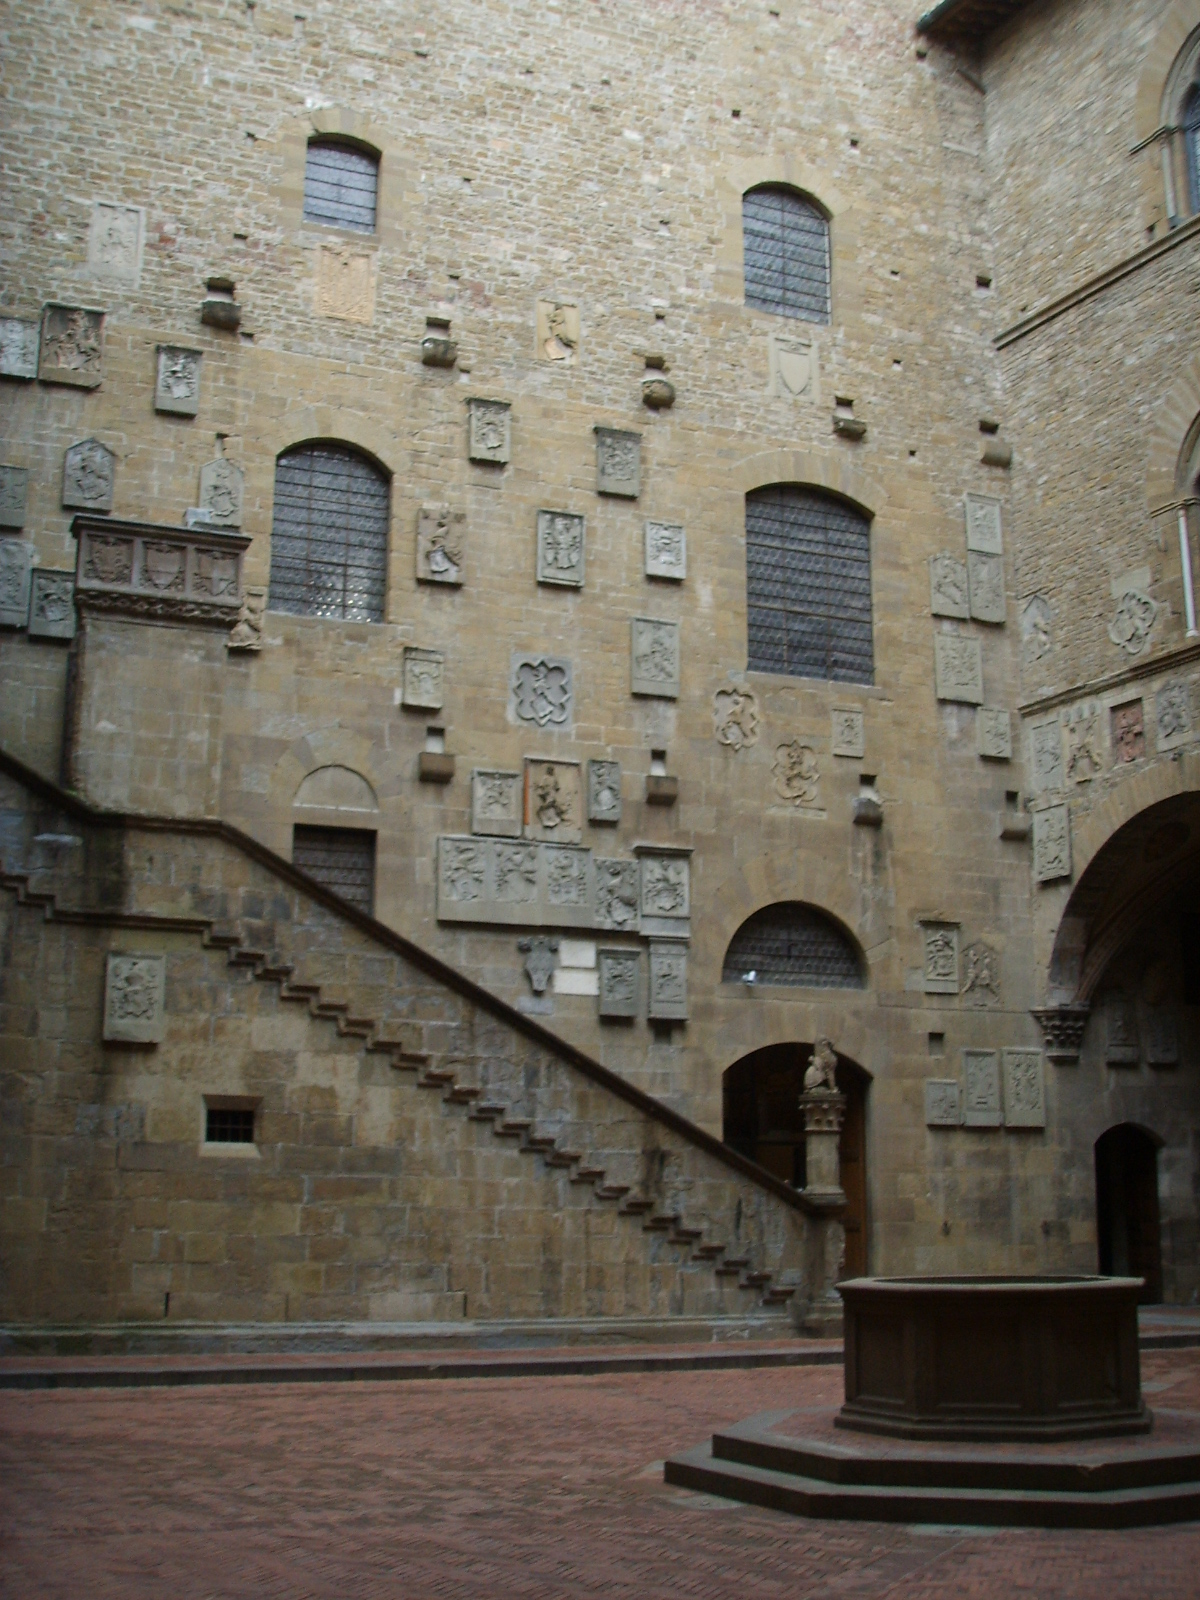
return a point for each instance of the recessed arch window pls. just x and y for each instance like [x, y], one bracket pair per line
[785, 253]
[794, 946]
[329, 537]
[1191, 143]
[1180, 131]
[808, 585]
[341, 184]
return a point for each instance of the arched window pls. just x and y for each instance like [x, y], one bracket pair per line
[1180, 131]
[341, 181]
[808, 585]
[795, 946]
[330, 534]
[785, 250]
[1191, 143]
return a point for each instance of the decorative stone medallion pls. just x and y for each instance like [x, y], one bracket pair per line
[1128, 732]
[796, 773]
[553, 801]
[655, 658]
[1024, 1089]
[619, 982]
[51, 604]
[18, 348]
[993, 733]
[604, 791]
[984, 530]
[618, 462]
[939, 945]
[666, 551]
[540, 691]
[557, 332]
[72, 346]
[424, 674]
[735, 717]
[668, 982]
[985, 585]
[14, 495]
[1051, 844]
[222, 492]
[16, 563]
[89, 473]
[560, 548]
[943, 1108]
[177, 380]
[134, 996]
[958, 668]
[496, 803]
[115, 243]
[441, 544]
[1132, 621]
[848, 732]
[981, 1099]
[489, 431]
[948, 587]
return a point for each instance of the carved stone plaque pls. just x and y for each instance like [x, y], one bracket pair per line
[939, 945]
[655, 658]
[560, 548]
[18, 348]
[985, 582]
[540, 691]
[568, 879]
[1051, 844]
[604, 791]
[1036, 638]
[424, 672]
[557, 332]
[51, 604]
[489, 431]
[134, 994]
[441, 544]
[666, 550]
[796, 773]
[948, 587]
[618, 462]
[735, 717]
[1160, 1034]
[553, 801]
[1128, 732]
[848, 732]
[1045, 756]
[981, 975]
[617, 894]
[993, 734]
[1120, 1031]
[521, 882]
[345, 287]
[72, 346]
[958, 668]
[1024, 1089]
[16, 562]
[665, 886]
[177, 380]
[14, 494]
[984, 531]
[89, 472]
[794, 367]
[668, 982]
[981, 1100]
[115, 243]
[222, 492]
[1132, 621]
[619, 982]
[496, 803]
[247, 631]
[1173, 714]
[1084, 751]
[943, 1108]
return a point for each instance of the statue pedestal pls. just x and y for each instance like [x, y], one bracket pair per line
[819, 1314]
[824, 1112]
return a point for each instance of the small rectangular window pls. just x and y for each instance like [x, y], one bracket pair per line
[342, 859]
[340, 186]
[229, 1124]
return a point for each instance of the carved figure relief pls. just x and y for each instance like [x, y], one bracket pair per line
[89, 473]
[541, 958]
[1036, 640]
[1128, 732]
[558, 331]
[735, 717]
[665, 886]
[666, 550]
[1081, 728]
[958, 668]
[619, 974]
[796, 773]
[942, 1103]
[655, 658]
[541, 691]
[496, 803]
[1045, 756]
[345, 283]
[794, 368]
[566, 876]
[617, 894]
[985, 583]
[115, 242]
[424, 675]
[1132, 621]
[441, 544]
[618, 462]
[164, 566]
[516, 872]
[939, 943]
[1024, 1089]
[222, 491]
[14, 495]
[177, 380]
[1173, 714]
[16, 562]
[1120, 1031]
[1051, 844]
[981, 1100]
[489, 431]
[72, 346]
[553, 801]
[981, 974]
[560, 548]
[668, 982]
[108, 561]
[51, 604]
[848, 732]
[461, 866]
[993, 734]
[984, 530]
[18, 348]
[134, 995]
[820, 1076]
[247, 631]
[604, 791]
[948, 587]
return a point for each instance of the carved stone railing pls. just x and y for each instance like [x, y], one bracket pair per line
[158, 573]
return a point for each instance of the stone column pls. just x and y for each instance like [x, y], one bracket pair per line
[824, 1112]
[819, 1311]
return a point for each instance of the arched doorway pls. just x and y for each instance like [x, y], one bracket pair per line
[762, 1121]
[1127, 1222]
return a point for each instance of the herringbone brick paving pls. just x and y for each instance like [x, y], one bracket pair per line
[533, 1488]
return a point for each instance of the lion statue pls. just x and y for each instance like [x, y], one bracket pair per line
[821, 1076]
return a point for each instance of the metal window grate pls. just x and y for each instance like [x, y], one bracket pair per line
[229, 1125]
[793, 945]
[808, 585]
[343, 859]
[340, 186]
[1191, 140]
[330, 534]
[785, 248]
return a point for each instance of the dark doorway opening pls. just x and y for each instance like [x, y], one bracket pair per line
[1127, 1221]
[762, 1121]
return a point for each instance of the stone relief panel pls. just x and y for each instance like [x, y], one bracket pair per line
[247, 631]
[422, 687]
[665, 886]
[848, 732]
[441, 544]
[939, 947]
[948, 587]
[14, 496]
[620, 974]
[541, 958]
[16, 563]
[107, 560]
[177, 380]
[560, 548]
[794, 368]
[89, 474]
[1132, 621]
[1173, 714]
[18, 348]
[985, 584]
[1120, 1031]
[735, 717]
[558, 332]
[569, 878]
[496, 803]
[1024, 1089]
[943, 1103]
[1128, 729]
[984, 529]
[1046, 756]
[981, 974]
[1036, 638]
[981, 1099]
[489, 431]
[617, 894]
[51, 604]
[618, 462]
[553, 801]
[541, 691]
[1160, 1036]
[604, 791]
[515, 882]
[115, 243]
[655, 658]
[958, 669]
[345, 286]
[222, 492]
[1051, 844]
[993, 734]
[668, 982]
[796, 773]
[1081, 735]
[72, 346]
[134, 999]
[514, 877]
[666, 551]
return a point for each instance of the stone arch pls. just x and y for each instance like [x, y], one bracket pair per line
[1178, 24]
[828, 470]
[836, 959]
[338, 787]
[324, 749]
[1173, 439]
[393, 197]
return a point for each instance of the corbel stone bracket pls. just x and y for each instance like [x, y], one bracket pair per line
[1062, 1028]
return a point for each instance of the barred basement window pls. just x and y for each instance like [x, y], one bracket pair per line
[340, 185]
[342, 859]
[330, 534]
[792, 945]
[229, 1125]
[808, 585]
[785, 250]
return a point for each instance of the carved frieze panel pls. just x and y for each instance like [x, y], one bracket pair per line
[16, 564]
[943, 1103]
[89, 475]
[981, 1097]
[1037, 640]
[985, 584]
[668, 982]
[51, 604]
[981, 974]
[993, 734]
[620, 973]
[496, 803]
[115, 243]
[1173, 714]
[1128, 732]
[345, 287]
[655, 658]
[553, 801]
[1051, 844]
[617, 894]
[735, 717]
[1133, 621]
[72, 346]
[984, 530]
[14, 496]
[222, 492]
[560, 548]
[665, 886]
[1084, 758]
[489, 431]
[848, 732]
[618, 462]
[515, 882]
[794, 368]
[1024, 1089]
[1046, 756]
[424, 679]
[143, 570]
[666, 550]
[569, 879]
[134, 998]
[796, 773]
[558, 332]
[948, 587]
[18, 348]
[177, 380]
[1160, 1036]
[939, 948]
[247, 631]
[1120, 1030]
[958, 668]
[441, 544]
[604, 791]
[540, 691]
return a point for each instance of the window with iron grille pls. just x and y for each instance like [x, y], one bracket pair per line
[330, 534]
[1191, 141]
[229, 1124]
[343, 859]
[340, 185]
[795, 945]
[808, 585]
[785, 250]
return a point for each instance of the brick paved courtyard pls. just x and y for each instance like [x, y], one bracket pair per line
[507, 1487]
